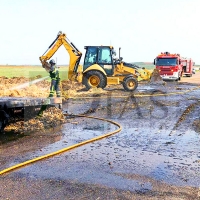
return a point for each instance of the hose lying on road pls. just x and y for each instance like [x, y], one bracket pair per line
[93, 139]
[67, 148]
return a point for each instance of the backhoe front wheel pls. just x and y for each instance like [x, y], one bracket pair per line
[94, 79]
[130, 84]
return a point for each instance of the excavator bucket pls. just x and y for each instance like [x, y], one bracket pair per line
[46, 65]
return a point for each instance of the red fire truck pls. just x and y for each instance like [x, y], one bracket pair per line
[187, 64]
[173, 66]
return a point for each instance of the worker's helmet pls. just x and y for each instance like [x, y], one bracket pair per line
[52, 61]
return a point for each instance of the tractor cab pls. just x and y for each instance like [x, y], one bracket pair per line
[102, 56]
[101, 68]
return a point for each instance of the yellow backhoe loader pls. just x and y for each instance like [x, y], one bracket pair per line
[100, 67]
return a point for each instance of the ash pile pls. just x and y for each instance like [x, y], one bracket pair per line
[156, 79]
[51, 117]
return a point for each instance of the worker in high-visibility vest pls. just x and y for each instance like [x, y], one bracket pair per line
[55, 79]
[55, 82]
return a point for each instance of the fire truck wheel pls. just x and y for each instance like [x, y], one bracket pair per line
[179, 78]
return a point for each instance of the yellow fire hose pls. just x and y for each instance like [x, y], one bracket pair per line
[93, 139]
[67, 148]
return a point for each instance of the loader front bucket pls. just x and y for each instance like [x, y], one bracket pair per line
[145, 74]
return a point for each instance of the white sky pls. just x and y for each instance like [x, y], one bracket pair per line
[142, 28]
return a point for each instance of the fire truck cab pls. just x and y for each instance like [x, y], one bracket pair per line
[169, 66]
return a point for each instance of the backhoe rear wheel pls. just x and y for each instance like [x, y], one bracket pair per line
[94, 79]
[130, 84]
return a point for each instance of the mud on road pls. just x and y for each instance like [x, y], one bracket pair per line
[155, 156]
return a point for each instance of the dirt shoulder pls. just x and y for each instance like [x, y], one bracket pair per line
[195, 79]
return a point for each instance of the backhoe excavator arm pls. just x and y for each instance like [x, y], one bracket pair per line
[74, 54]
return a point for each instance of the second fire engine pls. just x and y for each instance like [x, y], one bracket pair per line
[173, 66]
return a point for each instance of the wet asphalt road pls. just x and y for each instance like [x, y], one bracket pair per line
[156, 153]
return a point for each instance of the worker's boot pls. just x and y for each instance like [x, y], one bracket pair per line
[58, 94]
[42, 109]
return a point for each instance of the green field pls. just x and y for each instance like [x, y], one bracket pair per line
[33, 71]
[29, 71]
[146, 65]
